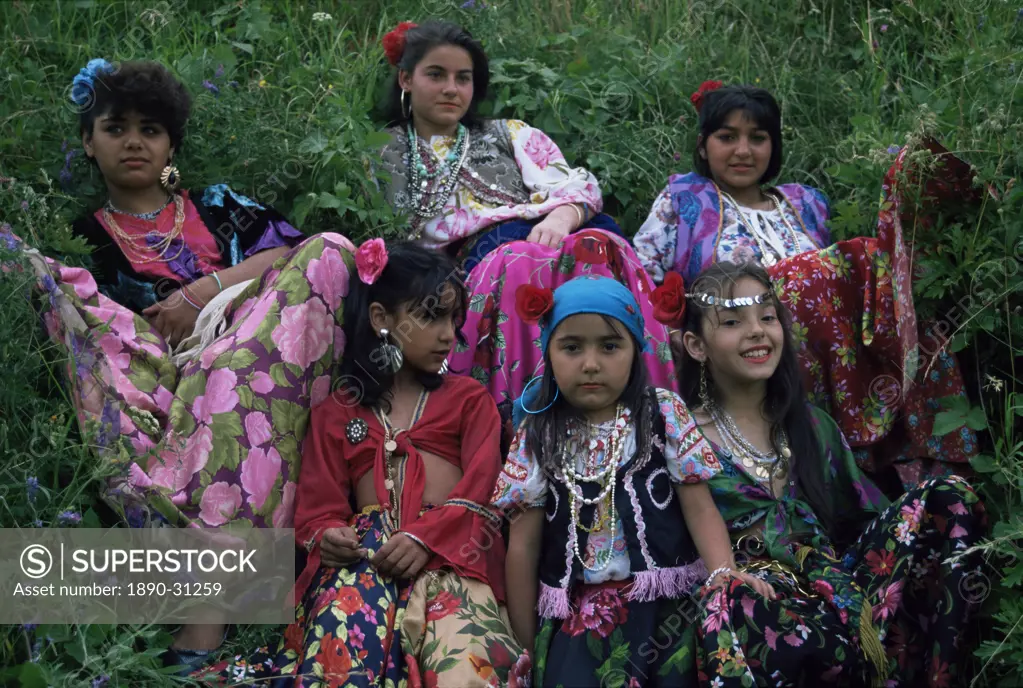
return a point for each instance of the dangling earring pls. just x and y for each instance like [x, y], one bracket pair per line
[170, 178]
[388, 353]
[704, 396]
[406, 115]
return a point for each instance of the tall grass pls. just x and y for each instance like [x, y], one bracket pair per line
[291, 123]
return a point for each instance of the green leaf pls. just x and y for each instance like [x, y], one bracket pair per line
[142, 376]
[288, 417]
[245, 396]
[191, 387]
[446, 664]
[1013, 576]
[595, 646]
[226, 452]
[242, 358]
[984, 463]
[477, 302]
[313, 144]
[279, 375]
[244, 47]
[32, 676]
[376, 139]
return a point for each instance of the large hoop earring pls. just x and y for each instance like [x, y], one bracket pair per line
[170, 178]
[406, 115]
[557, 391]
[389, 353]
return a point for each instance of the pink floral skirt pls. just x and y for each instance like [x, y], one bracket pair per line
[503, 352]
[219, 440]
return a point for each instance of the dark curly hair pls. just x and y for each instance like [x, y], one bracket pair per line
[147, 88]
[421, 40]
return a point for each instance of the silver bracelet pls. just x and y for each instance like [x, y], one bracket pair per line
[416, 540]
[579, 214]
[715, 573]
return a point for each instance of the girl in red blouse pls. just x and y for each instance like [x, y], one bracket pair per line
[397, 471]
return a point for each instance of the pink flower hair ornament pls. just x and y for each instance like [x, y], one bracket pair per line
[370, 260]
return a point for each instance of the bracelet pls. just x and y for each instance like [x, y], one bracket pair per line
[715, 573]
[189, 301]
[220, 285]
[416, 540]
[581, 217]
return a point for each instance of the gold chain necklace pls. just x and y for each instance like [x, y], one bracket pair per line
[139, 244]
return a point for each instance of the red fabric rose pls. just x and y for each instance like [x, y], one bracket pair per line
[600, 612]
[350, 600]
[335, 660]
[532, 303]
[370, 260]
[669, 300]
[706, 87]
[394, 42]
[444, 604]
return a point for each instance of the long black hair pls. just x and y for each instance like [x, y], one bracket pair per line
[416, 278]
[785, 404]
[149, 89]
[422, 39]
[758, 104]
[546, 432]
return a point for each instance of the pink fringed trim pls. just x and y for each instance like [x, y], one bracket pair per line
[666, 583]
[553, 603]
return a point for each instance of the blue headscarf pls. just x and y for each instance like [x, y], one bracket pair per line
[587, 294]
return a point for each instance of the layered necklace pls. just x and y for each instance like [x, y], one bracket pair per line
[427, 204]
[140, 244]
[766, 253]
[390, 447]
[604, 474]
[766, 468]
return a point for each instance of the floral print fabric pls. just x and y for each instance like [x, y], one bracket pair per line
[502, 351]
[888, 611]
[219, 441]
[355, 627]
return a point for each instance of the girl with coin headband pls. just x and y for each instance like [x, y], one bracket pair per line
[869, 592]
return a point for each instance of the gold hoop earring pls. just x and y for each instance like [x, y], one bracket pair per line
[170, 178]
[406, 115]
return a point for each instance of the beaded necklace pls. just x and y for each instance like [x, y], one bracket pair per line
[766, 256]
[426, 204]
[151, 215]
[606, 477]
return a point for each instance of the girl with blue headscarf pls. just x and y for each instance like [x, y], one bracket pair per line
[605, 488]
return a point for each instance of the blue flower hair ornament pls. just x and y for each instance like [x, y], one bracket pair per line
[83, 85]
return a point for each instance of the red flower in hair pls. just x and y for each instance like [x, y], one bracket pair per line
[706, 87]
[669, 300]
[394, 42]
[532, 303]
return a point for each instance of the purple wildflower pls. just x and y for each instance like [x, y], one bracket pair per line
[232, 84]
[220, 72]
[32, 487]
[211, 87]
[893, 149]
[65, 180]
[884, 28]
[24, 205]
[37, 523]
[875, 45]
[677, 156]
[29, 627]
[10, 243]
[69, 518]
[100, 682]
[49, 284]
[468, 4]
[63, 146]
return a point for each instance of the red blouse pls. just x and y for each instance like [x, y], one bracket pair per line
[460, 423]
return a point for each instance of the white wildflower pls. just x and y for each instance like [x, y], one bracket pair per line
[321, 17]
